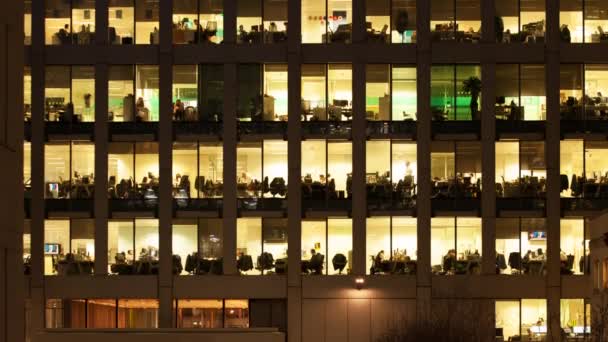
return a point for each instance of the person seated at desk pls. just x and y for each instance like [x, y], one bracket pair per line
[242, 35]
[141, 110]
[316, 262]
[64, 35]
[449, 260]
[178, 110]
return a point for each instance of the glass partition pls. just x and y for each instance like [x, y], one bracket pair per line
[326, 21]
[456, 20]
[391, 245]
[520, 92]
[455, 245]
[520, 169]
[574, 247]
[323, 239]
[521, 236]
[455, 92]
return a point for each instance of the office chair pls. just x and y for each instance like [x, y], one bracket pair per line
[244, 263]
[316, 263]
[339, 261]
[265, 262]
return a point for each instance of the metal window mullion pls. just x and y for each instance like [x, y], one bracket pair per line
[390, 90]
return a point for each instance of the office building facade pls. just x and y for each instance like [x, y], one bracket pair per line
[306, 170]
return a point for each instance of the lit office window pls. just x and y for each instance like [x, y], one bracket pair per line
[200, 313]
[521, 245]
[211, 92]
[274, 169]
[583, 164]
[69, 170]
[391, 169]
[236, 313]
[27, 168]
[520, 169]
[138, 313]
[583, 21]
[381, 79]
[596, 91]
[198, 92]
[262, 93]
[198, 243]
[456, 245]
[69, 247]
[324, 239]
[249, 169]
[133, 170]
[326, 21]
[456, 169]
[125, 84]
[574, 247]
[399, 15]
[571, 92]
[391, 245]
[262, 169]
[133, 246]
[65, 313]
[121, 22]
[326, 169]
[69, 93]
[27, 246]
[198, 21]
[261, 246]
[519, 21]
[27, 93]
[101, 313]
[146, 22]
[261, 21]
[520, 92]
[327, 84]
[66, 22]
[456, 20]
[455, 92]
[575, 318]
[185, 93]
[27, 22]
[525, 318]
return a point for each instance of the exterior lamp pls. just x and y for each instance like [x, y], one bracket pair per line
[359, 282]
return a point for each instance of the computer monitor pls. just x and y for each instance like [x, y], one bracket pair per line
[52, 248]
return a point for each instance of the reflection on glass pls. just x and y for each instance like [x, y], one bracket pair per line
[520, 169]
[455, 245]
[521, 245]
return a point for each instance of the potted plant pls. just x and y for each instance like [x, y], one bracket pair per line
[472, 86]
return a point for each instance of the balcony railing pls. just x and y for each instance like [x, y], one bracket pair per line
[456, 204]
[262, 204]
[584, 127]
[134, 205]
[197, 128]
[133, 128]
[391, 196]
[324, 129]
[69, 205]
[584, 204]
[520, 127]
[55, 128]
[520, 204]
[462, 128]
[392, 129]
[198, 204]
[266, 128]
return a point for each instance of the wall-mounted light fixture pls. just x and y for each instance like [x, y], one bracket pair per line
[359, 282]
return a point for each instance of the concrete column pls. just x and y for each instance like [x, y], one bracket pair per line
[12, 296]
[423, 140]
[101, 169]
[358, 23]
[101, 22]
[359, 210]
[165, 140]
[488, 165]
[230, 23]
[230, 137]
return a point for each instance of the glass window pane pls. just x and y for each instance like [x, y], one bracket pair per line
[443, 244]
[57, 99]
[534, 244]
[274, 240]
[212, 92]
[313, 92]
[405, 165]
[339, 92]
[377, 92]
[507, 319]
[196, 313]
[248, 245]
[571, 91]
[83, 92]
[186, 26]
[468, 167]
[339, 167]
[211, 170]
[314, 158]
[468, 96]
[573, 246]
[596, 88]
[121, 169]
[532, 159]
[571, 166]
[83, 21]
[275, 21]
[572, 317]
[121, 88]
[378, 161]
[442, 92]
[57, 170]
[185, 93]
[211, 238]
[596, 163]
[507, 90]
[101, 313]
[405, 98]
[404, 239]
[508, 253]
[533, 99]
[249, 169]
[275, 168]
[27, 93]
[340, 245]
[533, 317]
[596, 21]
[56, 244]
[377, 20]
[138, 313]
[532, 21]
[146, 240]
[250, 98]
[378, 244]
[146, 169]
[236, 313]
[275, 92]
[211, 17]
[249, 22]
[468, 20]
[339, 21]
[468, 243]
[185, 173]
[507, 162]
[82, 242]
[121, 21]
[403, 23]
[120, 245]
[146, 22]
[57, 23]
[83, 170]
[571, 21]
[507, 20]
[313, 21]
[147, 83]
[314, 247]
[184, 240]
[27, 22]
[443, 166]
